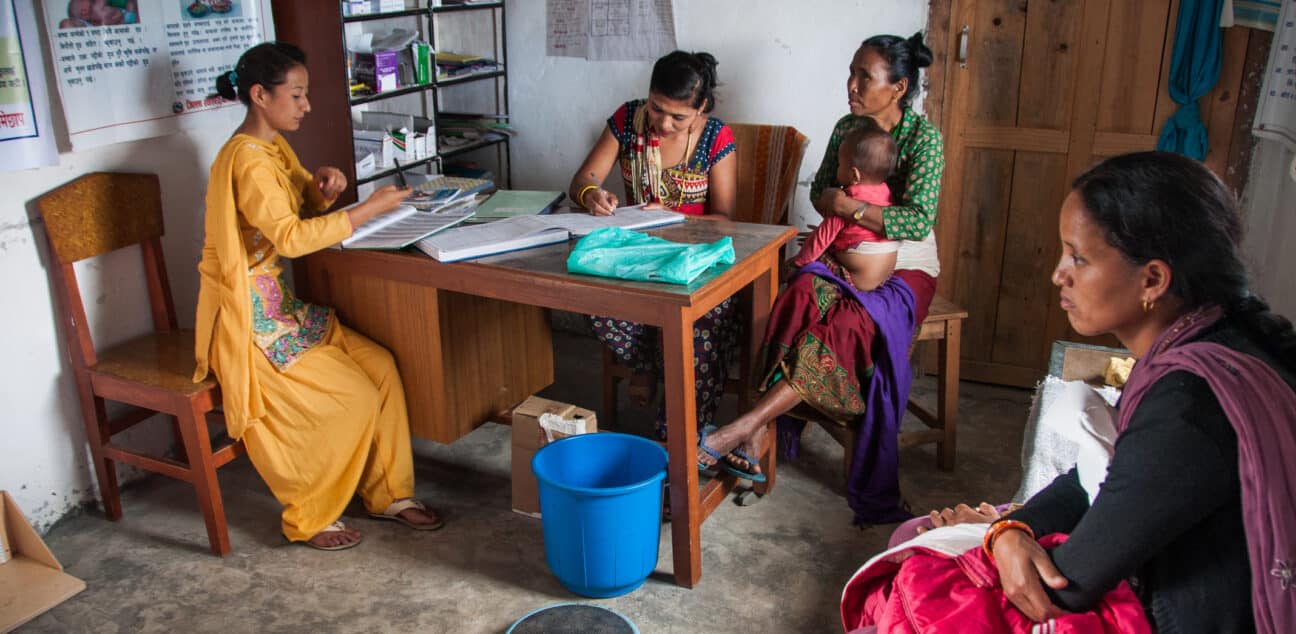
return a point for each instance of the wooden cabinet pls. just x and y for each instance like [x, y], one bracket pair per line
[1028, 95]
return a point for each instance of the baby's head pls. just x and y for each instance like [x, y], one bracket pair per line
[106, 14]
[80, 9]
[867, 155]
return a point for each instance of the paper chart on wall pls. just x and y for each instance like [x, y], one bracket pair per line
[26, 140]
[610, 29]
[134, 69]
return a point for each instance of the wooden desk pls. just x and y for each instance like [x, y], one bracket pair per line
[445, 322]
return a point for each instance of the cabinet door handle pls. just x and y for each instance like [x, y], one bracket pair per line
[962, 47]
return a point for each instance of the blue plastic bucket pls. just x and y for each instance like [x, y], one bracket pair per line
[600, 505]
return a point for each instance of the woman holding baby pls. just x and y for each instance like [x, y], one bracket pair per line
[831, 348]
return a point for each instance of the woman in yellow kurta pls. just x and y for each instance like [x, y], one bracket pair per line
[319, 407]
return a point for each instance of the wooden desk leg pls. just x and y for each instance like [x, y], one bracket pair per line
[948, 391]
[681, 444]
[764, 290]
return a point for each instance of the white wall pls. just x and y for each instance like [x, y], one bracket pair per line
[43, 458]
[779, 62]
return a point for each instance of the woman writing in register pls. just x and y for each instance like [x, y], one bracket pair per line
[319, 407]
[670, 154]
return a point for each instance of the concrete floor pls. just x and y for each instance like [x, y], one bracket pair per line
[777, 566]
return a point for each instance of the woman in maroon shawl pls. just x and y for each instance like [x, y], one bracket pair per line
[1196, 506]
[841, 353]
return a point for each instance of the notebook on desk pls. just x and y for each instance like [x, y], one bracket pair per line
[507, 203]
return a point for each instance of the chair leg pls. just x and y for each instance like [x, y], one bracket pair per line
[768, 460]
[610, 381]
[947, 394]
[96, 422]
[197, 446]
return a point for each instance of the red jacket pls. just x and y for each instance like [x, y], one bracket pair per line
[919, 590]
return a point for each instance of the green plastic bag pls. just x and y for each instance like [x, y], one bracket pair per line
[630, 255]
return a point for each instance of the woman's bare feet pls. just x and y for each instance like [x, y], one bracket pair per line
[335, 536]
[724, 440]
[420, 517]
[412, 513]
[642, 389]
[750, 449]
[749, 428]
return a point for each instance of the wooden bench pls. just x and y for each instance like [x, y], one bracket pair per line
[944, 323]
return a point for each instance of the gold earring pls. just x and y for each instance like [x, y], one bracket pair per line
[1148, 305]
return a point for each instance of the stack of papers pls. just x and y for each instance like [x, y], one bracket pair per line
[524, 232]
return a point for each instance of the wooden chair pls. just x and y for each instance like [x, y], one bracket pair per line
[90, 216]
[769, 160]
[944, 324]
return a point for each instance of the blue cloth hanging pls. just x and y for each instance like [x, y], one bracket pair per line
[1194, 69]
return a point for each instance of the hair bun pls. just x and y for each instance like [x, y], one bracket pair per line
[921, 54]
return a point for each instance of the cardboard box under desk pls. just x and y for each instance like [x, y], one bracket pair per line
[31, 580]
[529, 437]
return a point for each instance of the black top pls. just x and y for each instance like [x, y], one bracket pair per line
[1169, 514]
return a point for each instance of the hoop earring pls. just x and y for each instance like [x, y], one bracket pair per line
[1148, 305]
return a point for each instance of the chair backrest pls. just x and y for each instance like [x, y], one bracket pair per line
[96, 214]
[769, 160]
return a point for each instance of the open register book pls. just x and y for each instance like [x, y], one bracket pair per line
[524, 232]
[411, 222]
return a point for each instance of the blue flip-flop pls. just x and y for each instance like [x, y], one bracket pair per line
[719, 459]
[737, 452]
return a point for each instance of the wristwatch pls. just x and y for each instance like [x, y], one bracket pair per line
[859, 214]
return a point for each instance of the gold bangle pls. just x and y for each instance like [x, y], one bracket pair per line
[580, 198]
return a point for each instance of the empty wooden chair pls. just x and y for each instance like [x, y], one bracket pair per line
[90, 216]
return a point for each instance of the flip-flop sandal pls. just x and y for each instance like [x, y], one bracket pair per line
[727, 464]
[394, 510]
[720, 461]
[335, 527]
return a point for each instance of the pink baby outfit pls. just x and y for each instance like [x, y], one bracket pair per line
[842, 234]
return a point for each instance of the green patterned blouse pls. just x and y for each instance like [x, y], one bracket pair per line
[916, 181]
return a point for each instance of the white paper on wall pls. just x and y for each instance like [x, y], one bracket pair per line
[26, 140]
[1276, 113]
[610, 29]
[134, 69]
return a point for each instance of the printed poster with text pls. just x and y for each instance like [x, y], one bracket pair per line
[25, 138]
[135, 69]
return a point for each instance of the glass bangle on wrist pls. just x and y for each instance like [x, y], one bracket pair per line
[1000, 527]
[580, 197]
[858, 216]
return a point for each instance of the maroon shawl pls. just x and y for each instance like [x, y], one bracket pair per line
[1262, 409]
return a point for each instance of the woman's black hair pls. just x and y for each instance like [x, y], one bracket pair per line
[267, 64]
[1165, 206]
[685, 76]
[904, 57]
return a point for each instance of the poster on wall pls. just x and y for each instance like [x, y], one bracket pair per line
[134, 69]
[609, 29]
[26, 140]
